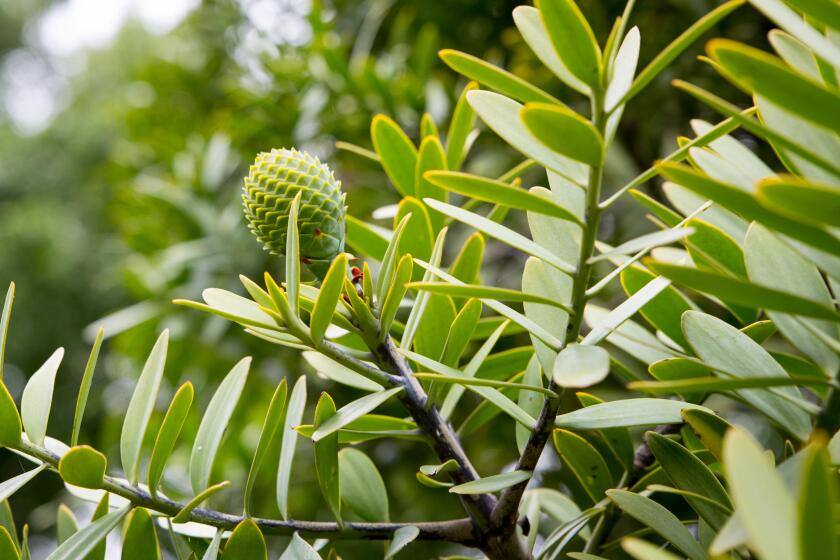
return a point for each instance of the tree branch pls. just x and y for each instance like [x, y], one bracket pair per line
[458, 531]
[506, 512]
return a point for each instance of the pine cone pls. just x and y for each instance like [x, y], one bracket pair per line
[274, 180]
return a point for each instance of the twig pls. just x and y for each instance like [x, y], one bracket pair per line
[457, 531]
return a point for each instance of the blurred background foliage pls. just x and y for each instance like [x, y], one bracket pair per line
[125, 129]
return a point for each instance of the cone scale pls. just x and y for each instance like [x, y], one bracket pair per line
[274, 179]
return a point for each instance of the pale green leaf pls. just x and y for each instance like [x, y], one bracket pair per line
[402, 538]
[9, 487]
[271, 424]
[37, 398]
[396, 153]
[362, 488]
[294, 414]
[214, 423]
[494, 77]
[326, 456]
[573, 39]
[168, 433]
[352, 411]
[581, 366]
[565, 132]
[627, 412]
[493, 483]
[502, 116]
[763, 504]
[86, 539]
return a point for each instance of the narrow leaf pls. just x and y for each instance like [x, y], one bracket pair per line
[328, 297]
[352, 411]
[294, 414]
[565, 132]
[213, 424]
[493, 483]
[168, 433]
[271, 425]
[141, 406]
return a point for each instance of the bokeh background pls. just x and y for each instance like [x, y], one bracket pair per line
[125, 129]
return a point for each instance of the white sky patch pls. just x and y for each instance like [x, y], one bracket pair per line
[34, 87]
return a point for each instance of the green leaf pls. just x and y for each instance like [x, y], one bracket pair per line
[493, 483]
[709, 428]
[711, 247]
[677, 46]
[294, 414]
[467, 264]
[658, 518]
[494, 77]
[340, 374]
[431, 157]
[581, 366]
[500, 308]
[299, 549]
[271, 425]
[484, 292]
[14, 484]
[365, 240]
[488, 393]
[723, 347]
[10, 427]
[389, 260]
[399, 285]
[531, 27]
[794, 24]
[502, 116]
[467, 381]
[460, 127]
[688, 473]
[183, 514]
[140, 540]
[771, 261]
[548, 282]
[707, 384]
[497, 231]
[498, 192]
[328, 296]
[212, 552]
[573, 39]
[626, 413]
[402, 538]
[4, 323]
[763, 505]
[624, 68]
[418, 238]
[585, 462]
[757, 72]
[801, 200]
[643, 550]
[293, 257]
[37, 398]
[565, 132]
[415, 317]
[428, 126]
[815, 508]
[349, 412]
[531, 401]
[213, 424]
[168, 433]
[86, 540]
[746, 206]
[396, 152]
[663, 311]
[246, 543]
[141, 406]
[84, 388]
[461, 332]
[617, 439]
[647, 241]
[326, 456]
[83, 466]
[665, 214]
[741, 291]
[362, 488]
[65, 525]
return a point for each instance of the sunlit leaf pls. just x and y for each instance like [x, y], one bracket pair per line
[326, 456]
[214, 423]
[564, 131]
[396, 152]
[37, 398]
[272, 423]
[572, 38]
[83, 466]
[493, 483]
[294, 414]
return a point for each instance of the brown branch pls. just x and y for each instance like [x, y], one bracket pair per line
[458, 531]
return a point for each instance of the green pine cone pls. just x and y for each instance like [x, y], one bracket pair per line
[274, 180]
